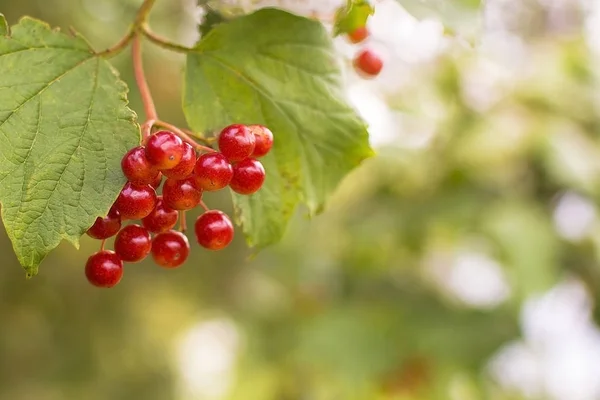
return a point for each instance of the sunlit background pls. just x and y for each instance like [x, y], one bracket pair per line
[460, 263]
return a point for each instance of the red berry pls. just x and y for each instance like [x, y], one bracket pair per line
[170, 249]
[164, 150]
[213, 171]
[358, 35]
[105, 227]
[368, 63]
[185, 166]
[135, 202]
[104, 269]
[136, 167]
[248, 176]
[157, 181]
[214, 230]
[264, 140]
[181, 194]
[133, 243]
[236, 142]
[161, 219]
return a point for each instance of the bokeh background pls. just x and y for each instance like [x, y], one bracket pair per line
[460, 263]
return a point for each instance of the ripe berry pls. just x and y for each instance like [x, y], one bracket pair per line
[236, 142]
[105, 227]
[213, 171]
[181, 194]
[264, 140]
[136, 167]
[248, 176]
[358, 35]
[104, 269]
[164, 150]
[170, 249]
[133, 243]
[185, 166]
[214, 230]
[135, 202]
[161, 219]
[368, 63]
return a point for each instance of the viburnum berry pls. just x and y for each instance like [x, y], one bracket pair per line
[105, 227]
[368, 63]
[133, 243]
[236, 142]
[104, 269]
[214, 230]
[358, 35]
[248, 176]
[136, 202]
[213, 171]
[185, 166]
[181, 194]
[164, 150]
[170, 249]
[137, 168]
[161, 219]
[263, 140]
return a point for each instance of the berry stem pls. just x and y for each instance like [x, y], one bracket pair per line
[102, 244]
[204, 206]
[184, 136]
[163, 42]
[199, 136]
[182, 222]
[140, 79]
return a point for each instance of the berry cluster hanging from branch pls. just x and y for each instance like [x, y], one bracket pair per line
[75, 159]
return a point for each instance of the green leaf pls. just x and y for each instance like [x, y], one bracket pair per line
[64, 126]
[210, 19]
[352, 16]
[3, 25]
[458, 16]
[280, 70]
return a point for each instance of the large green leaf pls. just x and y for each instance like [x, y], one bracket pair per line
[277, 69]
[64, 125]
[459, 16]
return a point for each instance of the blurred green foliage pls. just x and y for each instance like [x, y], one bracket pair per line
[347, 306]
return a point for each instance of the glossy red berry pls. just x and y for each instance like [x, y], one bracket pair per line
[181, 194]
[133, 243]
[368, 63]
[161, 219]
[185, 166]
[263, 138]
[170, 249]
[105, 227]
[248, 176]
[214, 230]
[358, 35]
[213, 171]
[104, 269]
[236, 142]
[135, 202]
[137, 168]
[164, 150]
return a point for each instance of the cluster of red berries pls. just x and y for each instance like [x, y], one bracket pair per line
[366, 62]
[188, 175]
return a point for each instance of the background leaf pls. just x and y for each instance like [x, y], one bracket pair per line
[3, 25]
[284, 75]
[64, 126]
[458, 16]
[352, 16]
